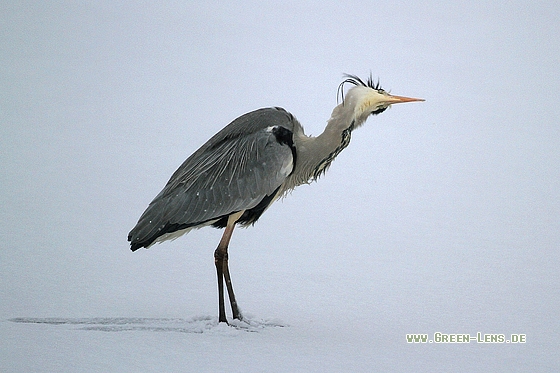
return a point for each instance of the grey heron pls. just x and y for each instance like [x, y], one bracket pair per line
[236, 175]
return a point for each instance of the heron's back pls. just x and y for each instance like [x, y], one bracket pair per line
[239, 169]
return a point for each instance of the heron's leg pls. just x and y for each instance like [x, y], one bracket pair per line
[219, 261]
[222, 270]
[232, 301]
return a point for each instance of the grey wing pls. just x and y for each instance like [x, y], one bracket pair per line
[236, 170]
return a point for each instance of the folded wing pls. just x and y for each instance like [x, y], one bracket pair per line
[239, 169]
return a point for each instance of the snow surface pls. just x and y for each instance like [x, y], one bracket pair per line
[201, 344]
[440, 216]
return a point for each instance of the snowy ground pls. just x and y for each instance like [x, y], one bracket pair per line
[441, 216]
[298, 319]
[199, 345]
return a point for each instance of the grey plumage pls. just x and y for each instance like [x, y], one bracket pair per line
[237, 174]
[235, 170]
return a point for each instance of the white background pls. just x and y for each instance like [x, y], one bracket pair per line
[442, 216]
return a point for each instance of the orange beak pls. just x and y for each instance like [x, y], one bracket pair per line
[398, 99]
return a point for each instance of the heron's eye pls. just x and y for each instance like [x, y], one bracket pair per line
[381, 91]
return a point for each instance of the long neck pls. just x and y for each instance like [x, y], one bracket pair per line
[315, 154]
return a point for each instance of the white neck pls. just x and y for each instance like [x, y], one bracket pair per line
[314, 154]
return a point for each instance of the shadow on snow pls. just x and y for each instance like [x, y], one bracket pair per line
[199, 324]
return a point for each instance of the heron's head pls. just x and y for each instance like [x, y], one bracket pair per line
[368, 98]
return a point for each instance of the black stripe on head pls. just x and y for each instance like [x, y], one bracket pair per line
[353, 79]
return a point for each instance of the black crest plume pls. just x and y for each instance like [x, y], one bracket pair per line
[353, 79]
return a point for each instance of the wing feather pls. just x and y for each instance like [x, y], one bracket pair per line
[235, 170]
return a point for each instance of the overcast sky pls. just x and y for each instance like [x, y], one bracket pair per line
[101, 101]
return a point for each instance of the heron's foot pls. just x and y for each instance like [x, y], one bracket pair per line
[236, 313]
